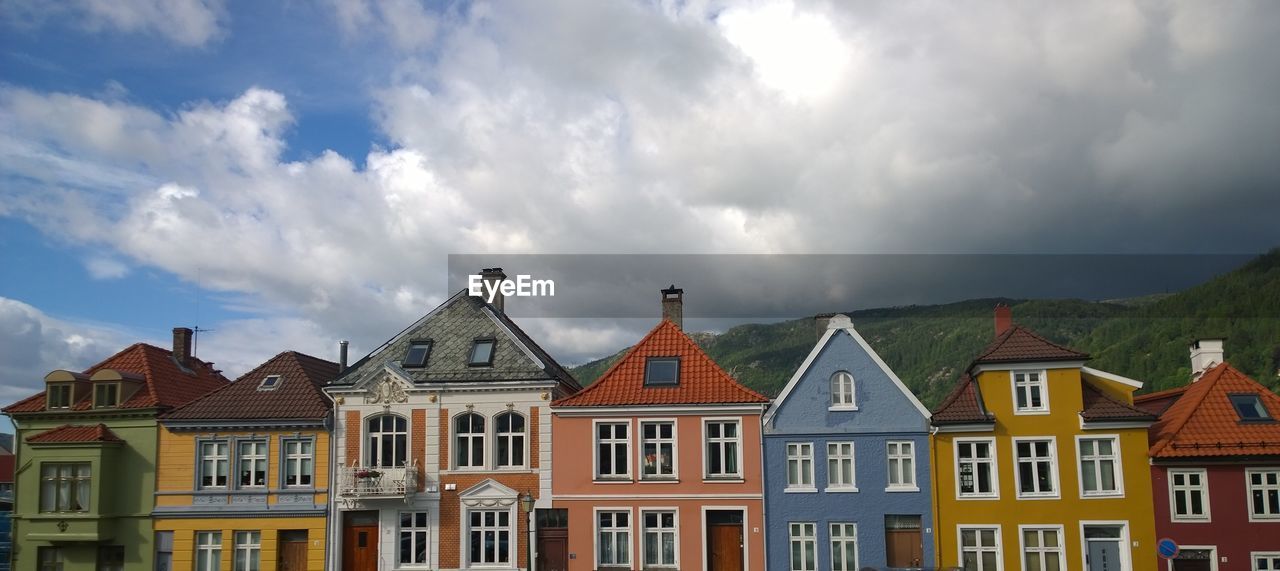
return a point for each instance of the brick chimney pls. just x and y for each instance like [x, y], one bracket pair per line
[493, 277]
[1004, 318]
[182, 345]
[820, 322]
[1205, 354]
[673, 305]
[342, 356]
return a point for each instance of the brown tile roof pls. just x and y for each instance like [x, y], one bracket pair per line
[1019, 344]
[69, 433]
[1156, 403]
[166, 385]
[963, 405]
[1204, 423]
[297, 395]
[702, 381]
[1098, 406]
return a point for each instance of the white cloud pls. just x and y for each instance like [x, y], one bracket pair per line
[32, 344]
[407, 24]
[105, 268]
[190, 23]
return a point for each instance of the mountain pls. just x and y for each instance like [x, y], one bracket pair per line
[930, 345]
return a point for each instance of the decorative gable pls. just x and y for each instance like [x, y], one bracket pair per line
[489, 493]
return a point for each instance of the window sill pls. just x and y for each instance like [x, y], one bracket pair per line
[725, 480]
[613, 481]
[902, 489]
[1043, 497]
[843, 408]
[1186, 519]
[1106, 496]
[659, 480]
[845, 490]
[800, 490]
[978, 497]
[1031, 412]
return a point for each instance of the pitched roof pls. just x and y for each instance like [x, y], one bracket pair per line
[701, 380]
[297, 394]
[1019, 344]
[165, 383]
[1156, 403]
[1098, 406]
[963, 405]
[70, 433]
[1203, 422]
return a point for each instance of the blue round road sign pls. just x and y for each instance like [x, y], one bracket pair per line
[1167, 548]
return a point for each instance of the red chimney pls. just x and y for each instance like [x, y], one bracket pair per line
[1004, 318]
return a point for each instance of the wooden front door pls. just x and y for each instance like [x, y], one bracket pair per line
[903, 541]
[553, 549]
[360, 546]
[725, 549]
[293, 551]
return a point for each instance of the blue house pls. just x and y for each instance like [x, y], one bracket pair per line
[846, 453]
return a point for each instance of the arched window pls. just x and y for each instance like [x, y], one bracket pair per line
[388, 441]
[842, 390]
[510, 435]
[469, 429]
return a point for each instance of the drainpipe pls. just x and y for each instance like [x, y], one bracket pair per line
[933, 494]
[330, 528]
[764, 497]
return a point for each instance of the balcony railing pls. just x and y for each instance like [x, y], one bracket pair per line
[378, 481]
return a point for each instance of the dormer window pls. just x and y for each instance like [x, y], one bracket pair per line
[1249, 407]
[481, 353]
[58, 396]
[269, 383]
[106, 395]
[417, 354]
[662, 371]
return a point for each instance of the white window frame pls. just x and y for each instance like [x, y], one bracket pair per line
[809, 541]
[417, 535]
[1053, 466]
[992, 462]
[644, 536]
[658, 441]
[216, 458]
[246, 549]
[1202, 489]
[977, 529]
[892, 460]
[472, 439]
[298, 452]
[1042, 550]
[838, 544]
[1249, 488]
[800, 454]
[255, 457]
[209, 551]
[1213, 555]
[1125, 551]
[1042, 382]
[839, 457]
[513, 536]
[510, 436]
[613, 441]
[628, 530]
[707, 441]
[373, 458]
[1254, 556]
[1117, 468]
[838, 393]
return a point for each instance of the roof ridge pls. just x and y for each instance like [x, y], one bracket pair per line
[1193, 403]
[1101, 393]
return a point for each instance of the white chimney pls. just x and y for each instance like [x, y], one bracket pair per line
[1205, 354]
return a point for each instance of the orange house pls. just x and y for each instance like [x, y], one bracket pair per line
[658, 463]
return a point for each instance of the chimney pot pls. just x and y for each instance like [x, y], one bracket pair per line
[1004, 318]
[342, 356]
[493, 278]
[182, 345]
[1205, 354]
[673, 305]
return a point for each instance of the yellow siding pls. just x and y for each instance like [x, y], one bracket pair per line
[184, 531]
[176, 465]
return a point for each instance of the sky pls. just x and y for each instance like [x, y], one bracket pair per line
[288, 174]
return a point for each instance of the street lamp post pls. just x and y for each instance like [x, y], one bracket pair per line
[526, 506]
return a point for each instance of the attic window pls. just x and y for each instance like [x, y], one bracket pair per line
[106, 395]
[481, 353]
[270, 383]
[662, 371]
[417, 354]
[1249, 407]
[58, 396]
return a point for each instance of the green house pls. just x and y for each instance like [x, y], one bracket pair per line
[85, 474]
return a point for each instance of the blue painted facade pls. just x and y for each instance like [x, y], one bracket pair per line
[886, 412]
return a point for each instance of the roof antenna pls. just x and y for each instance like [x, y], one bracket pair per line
[195, 331]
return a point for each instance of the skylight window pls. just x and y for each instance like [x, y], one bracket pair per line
[481, 353]
[417, 354]
[269, 383]
[662, 371]
[1249, 407]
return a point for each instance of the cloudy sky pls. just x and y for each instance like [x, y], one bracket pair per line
[287, 174]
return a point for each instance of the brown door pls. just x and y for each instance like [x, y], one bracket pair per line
[1182, 564]
[553, 549]
[725, 550]
[293, 550]
[903, 542]
[360, 547]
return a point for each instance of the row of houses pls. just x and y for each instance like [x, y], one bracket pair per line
[461, 444]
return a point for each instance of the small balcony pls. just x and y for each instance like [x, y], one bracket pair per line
[373, 482]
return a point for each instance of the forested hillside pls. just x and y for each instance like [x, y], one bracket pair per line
[929, 346]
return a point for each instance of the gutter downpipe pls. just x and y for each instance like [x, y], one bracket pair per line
[933, 493]
[764, 488]
[329, 526]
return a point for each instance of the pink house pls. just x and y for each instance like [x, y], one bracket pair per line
[658, 463]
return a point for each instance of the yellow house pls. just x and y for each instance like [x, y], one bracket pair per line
[242, 479]
[1040, 463]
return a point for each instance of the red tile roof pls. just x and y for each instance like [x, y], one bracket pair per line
[1098, 406]
[1156, 403]
[165, 385]
[963, 405]
[702, 381]
[69, 433]
[1019, 344]
[1203, 421]
[297, 394]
